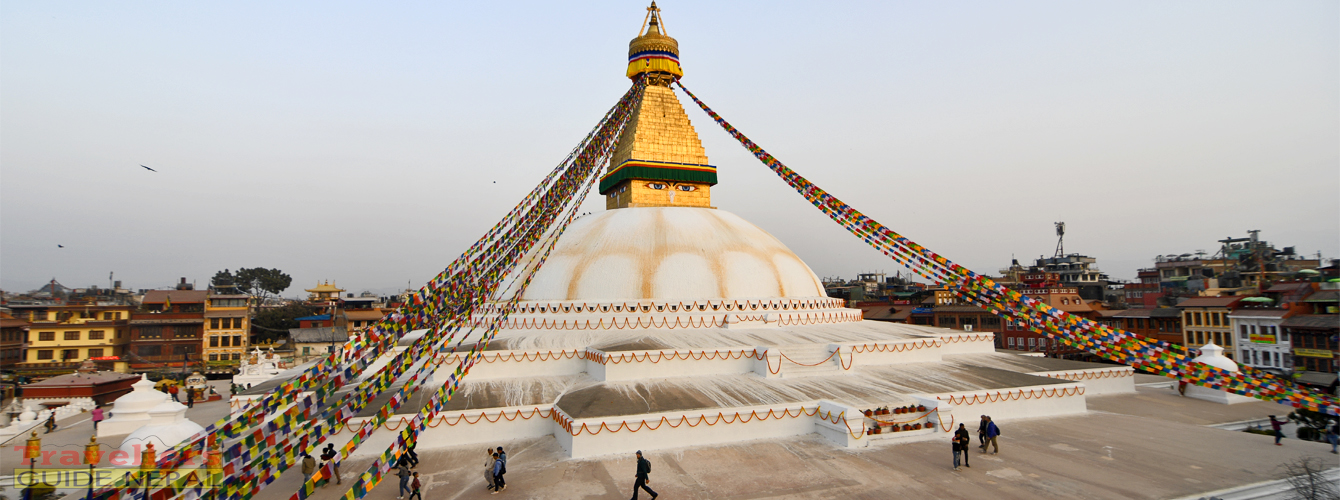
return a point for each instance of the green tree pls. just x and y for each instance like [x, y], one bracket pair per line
[274, 322]
[261, 283]
[224, 283]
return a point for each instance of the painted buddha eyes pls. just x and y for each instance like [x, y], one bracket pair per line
[682, 187]
[656, 185]
[686, 187]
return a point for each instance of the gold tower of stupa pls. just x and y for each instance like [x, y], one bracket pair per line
[659, 160]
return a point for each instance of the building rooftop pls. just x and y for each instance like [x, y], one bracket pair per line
[1324, 296]
[322, 334]
[1209, 302]
[176, 296]
[1313, 321]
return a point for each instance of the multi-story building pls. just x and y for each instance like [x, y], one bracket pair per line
[226, 331]
[1162, 323]
[168, 329]
[1262, 342]
[13, 341]
[60, 337]
[1205, 320]
[1315, 342]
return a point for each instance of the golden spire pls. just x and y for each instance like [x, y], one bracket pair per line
[659, 160]
[653, 52]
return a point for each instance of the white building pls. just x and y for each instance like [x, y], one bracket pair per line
[1261, 342]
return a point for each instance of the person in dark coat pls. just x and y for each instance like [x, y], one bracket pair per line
[981, 433]
[643, 470]
[409, 453]
[1275, 425]
[961, 437]
[501, 480]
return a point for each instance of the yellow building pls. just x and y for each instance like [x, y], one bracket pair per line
[1205, 320]
[70, 334]
[227, 331]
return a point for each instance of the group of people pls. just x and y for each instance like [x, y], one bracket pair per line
[495, 467]
[328, 456]
[1332, 432]
[987, 432]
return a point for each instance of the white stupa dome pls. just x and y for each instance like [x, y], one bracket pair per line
[167, 426]
[670, 253]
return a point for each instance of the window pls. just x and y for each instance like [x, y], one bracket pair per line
[1215, 317]
[306, 351]
[69, 354]
[97, 335]
[237, 341]
[106, 316]
[237, 356]
[1228, 339]
[1011, 341]
[119, 332]
[95, 353]
[47, 336]
[1244, 331]
[213, 340]
[178, 350]
[1251, 357]
[44, 354]
[1032, 343]
[184, 331]
[151, 332]
[1193, 318]
[225, 340]
[71, 335]
[214, 323]
[151, 350]
[213, 357]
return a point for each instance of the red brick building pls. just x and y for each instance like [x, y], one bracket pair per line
[168, 330]
[1162, 323]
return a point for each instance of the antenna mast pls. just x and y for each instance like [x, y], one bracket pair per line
[1060, 239]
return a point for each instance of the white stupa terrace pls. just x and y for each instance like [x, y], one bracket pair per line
[615, 348]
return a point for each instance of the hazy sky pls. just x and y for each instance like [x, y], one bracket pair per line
[359, 142]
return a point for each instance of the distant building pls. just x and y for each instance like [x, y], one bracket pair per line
[13, 341]
[168, 331]
[60, 337]
[1205, 320]
[227, 326]
[1261, 338]
[312, 343]
[1157, 323]
[1315, 342]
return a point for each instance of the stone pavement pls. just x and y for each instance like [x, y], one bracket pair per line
[1147, 445]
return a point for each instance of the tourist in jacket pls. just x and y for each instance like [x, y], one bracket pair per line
[991, 433]
[643, 470]
[961, 437]
[488, 467]
[308, 467]
[500, 481]
[497, 474]
[981, 433]
[1276, 425]
[402, 472]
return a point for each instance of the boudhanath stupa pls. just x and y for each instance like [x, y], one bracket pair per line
[666, 322]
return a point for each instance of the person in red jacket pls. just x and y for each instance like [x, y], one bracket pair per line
[1276, 424]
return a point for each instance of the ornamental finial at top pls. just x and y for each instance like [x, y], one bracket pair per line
[653, 53]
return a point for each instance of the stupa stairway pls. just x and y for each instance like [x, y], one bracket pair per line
[803, 361]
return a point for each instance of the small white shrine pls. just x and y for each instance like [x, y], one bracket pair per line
[257, 368]
[1213, 355]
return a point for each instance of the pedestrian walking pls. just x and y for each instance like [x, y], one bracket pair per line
[642, 479]
[1333, 435]
[51, 423]
[1276, 425]
[172, 389]
[414, 486]
[190, 398]
[981, 433]
[97, 417]
[488, 468]
[497, 475]
[402, 471]
[961, 436]
[958, 450]
[409, 453]
[308, 467]
[501, 480]
[328, 456]
[992, 432]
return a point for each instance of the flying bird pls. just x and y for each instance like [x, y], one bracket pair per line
[149, 169]
[58, 245]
